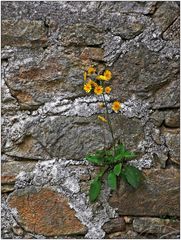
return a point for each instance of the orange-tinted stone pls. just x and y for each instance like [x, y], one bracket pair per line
[43, 211]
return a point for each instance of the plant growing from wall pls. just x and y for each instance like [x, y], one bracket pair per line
[112, 161]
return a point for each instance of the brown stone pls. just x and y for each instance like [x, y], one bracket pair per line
[172, 137]
[155, 225]
[10, 170]
[23, 97]
[82, 34]
[46, 212]
[157, 196]
[23, 33]
[115, 225]
[92, 53]
[172, 119]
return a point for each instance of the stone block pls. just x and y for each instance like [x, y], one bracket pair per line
[43, 211]
[155, 225]
[157, 196]
[172, 137]
[115, 225]
[23, 33]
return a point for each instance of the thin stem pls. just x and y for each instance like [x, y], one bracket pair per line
[109, 122]
[102, 171]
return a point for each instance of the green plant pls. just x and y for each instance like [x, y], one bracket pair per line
[112, 161]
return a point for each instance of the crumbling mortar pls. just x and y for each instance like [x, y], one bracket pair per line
[148, 146]
[151, 37]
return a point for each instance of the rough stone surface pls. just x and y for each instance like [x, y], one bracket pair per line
[10, 170]
[158, 195]
[172, 137]
[155, 225]
[115, 225]
[23, 33]
[43, 211]
[169, 118]
[47, 117]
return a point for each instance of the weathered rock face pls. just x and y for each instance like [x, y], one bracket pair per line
[47, 208]
[47, 117]
[155, 225]
[158, 195]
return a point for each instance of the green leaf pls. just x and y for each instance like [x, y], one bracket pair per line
[112, 181]
[94, 190]
[117, 169]
[133, 176]
[121, 153]
[108, 159]
[93, 159]
[128, 154]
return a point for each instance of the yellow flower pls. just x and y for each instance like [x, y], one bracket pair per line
[98, 90]
[116, 106]
[91, 70]
[107, 75]
[101, 77]
[102, 118]
[87, 87]
[85, 76]
[108, 90]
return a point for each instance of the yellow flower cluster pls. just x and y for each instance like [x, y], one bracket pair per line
[98, 89]
[93, 81]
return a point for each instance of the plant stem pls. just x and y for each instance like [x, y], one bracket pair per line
[102, 171]
[109, 122]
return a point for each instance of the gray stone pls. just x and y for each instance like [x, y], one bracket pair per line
[82, 35]
[170, 118]
[11, 169]
[155, 225]
[164, 20]
[127, 27]
[168, 96]
[157, 196]
[172, 33]
[8, 220]
[153, 76]
[40, 140]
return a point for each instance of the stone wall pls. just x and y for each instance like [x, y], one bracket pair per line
[49, 123]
